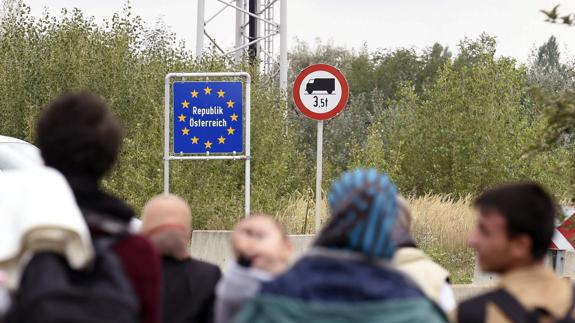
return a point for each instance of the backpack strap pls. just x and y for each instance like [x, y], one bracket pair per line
[474, 310]
[511, 307]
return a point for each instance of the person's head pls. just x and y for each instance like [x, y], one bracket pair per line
[166, 221]
[363, 213]
[79, 136]
[262, 242]
[514, 228]
[402, 229]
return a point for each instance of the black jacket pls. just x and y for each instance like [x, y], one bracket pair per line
[188, 290]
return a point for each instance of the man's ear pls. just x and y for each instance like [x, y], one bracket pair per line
[521, 246]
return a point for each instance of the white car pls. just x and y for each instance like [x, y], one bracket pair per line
[16, 153]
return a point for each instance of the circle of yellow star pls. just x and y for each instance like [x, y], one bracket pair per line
[195, 140]
[221, 93]
[222, 140]
[194, 94]
[185, 104]
[207, 90]
[234, 117]
[231, 131]
[208, 144]
[185, 131]
[230, 104]
[182, 117]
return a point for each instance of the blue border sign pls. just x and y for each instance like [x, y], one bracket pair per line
[208, 117]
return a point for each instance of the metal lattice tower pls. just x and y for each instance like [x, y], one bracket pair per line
[255, 33]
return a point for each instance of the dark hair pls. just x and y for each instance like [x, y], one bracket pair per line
[527, 209]
[78, 135]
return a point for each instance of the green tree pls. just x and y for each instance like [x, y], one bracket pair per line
[557, 101]
[465, 132]
[546, 71]
[125, 63]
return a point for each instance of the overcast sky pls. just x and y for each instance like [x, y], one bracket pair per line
[517, 24]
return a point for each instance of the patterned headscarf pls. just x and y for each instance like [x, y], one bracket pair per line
[364, 210]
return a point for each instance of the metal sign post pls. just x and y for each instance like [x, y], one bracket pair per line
[318, 175]
[320, 92]
[208, 145]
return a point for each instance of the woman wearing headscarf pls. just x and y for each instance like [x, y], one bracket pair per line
[347, 275]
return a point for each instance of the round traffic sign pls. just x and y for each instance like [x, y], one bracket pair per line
[320, 91]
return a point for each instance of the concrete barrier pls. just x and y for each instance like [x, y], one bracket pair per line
[214, 247]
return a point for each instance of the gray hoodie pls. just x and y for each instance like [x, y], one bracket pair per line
[238, 286]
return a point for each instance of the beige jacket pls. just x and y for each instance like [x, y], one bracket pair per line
[428, 275]
[533, 287]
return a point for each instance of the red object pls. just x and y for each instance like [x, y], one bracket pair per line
[142, 265]
[344, 88]
[564, 235]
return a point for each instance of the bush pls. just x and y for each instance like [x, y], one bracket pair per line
[126, 62]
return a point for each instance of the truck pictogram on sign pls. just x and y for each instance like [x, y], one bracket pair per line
[320, 84]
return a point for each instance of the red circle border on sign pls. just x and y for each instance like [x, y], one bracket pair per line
[344, 89]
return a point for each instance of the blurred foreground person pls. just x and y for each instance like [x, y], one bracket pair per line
[4, 296]
[511, 238]
[262, 250]
[429, 276]
[347, 276]
[188, 284]
[80, 137]
[44, 239]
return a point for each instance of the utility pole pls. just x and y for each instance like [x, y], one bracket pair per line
[253, 50]
[254, 31]
[200, 28]
[283, 46]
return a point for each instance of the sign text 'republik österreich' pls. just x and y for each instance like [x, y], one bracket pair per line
[208, 117]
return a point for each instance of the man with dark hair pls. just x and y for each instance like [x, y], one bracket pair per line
[81, 138]
[512, 235]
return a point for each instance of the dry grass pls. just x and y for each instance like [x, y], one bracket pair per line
[441, 221]
[298, 216]
[440, 226]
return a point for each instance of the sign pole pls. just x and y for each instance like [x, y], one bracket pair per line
[167, 135]
[248, 146]
[318, 176]
[320, 93]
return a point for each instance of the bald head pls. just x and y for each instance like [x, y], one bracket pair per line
[166, 211]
